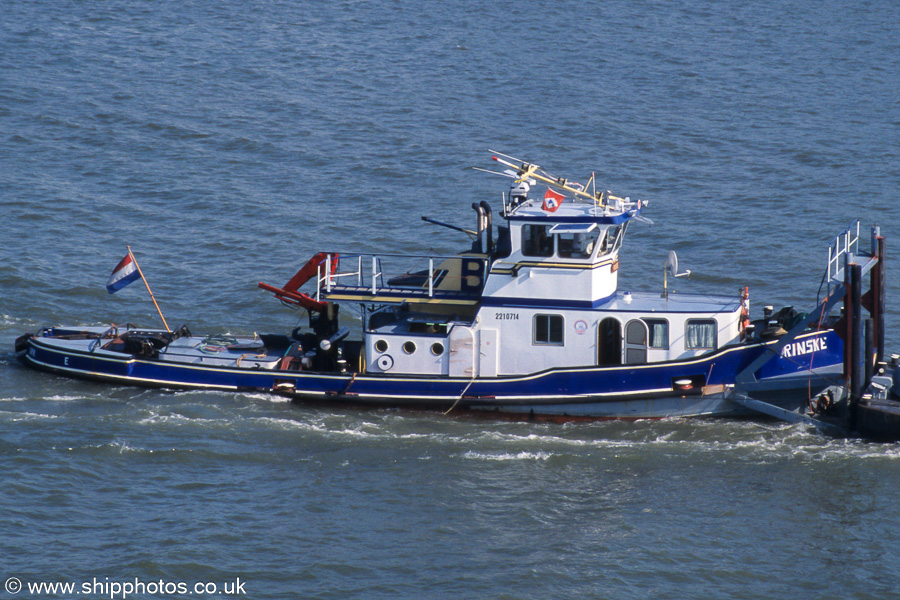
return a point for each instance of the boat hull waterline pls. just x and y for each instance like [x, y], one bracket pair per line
[682, 388]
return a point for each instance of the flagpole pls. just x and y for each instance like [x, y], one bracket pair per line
[152, 297]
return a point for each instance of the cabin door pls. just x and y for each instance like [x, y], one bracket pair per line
[462, 352]
[636, 334]
[609, 342]
[487, 364]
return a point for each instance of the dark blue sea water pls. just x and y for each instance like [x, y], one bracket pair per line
[227, 142]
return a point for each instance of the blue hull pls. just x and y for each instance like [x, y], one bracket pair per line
[693, 387]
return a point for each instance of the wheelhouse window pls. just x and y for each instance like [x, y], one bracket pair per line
[548, 329]
[613, 238]
[536, 240]
[659, 333]
[700, 334]
[575, 240]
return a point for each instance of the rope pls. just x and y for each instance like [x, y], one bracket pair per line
[466, 389]
[256, 356]
[219, 340]
[347, 389]
[812, 355]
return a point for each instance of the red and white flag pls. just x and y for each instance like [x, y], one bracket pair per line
[552, 200]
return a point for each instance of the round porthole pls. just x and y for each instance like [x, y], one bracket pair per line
[381, 345]
[409, 347]
[385, 362]
[437, 348]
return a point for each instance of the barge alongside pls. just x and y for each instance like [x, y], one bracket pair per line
[529, 320]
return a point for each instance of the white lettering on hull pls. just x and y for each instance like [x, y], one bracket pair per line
[804, 347]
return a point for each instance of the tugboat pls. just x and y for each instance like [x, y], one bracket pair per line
[529, 321]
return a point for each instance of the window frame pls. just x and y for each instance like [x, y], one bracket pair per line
[650, 322]
[590, 238]
[549, 329]
[687, 339]
[528, 228]
[612, 238]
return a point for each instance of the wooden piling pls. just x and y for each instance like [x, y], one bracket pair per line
[855, 340]
[869, 356]
[878, 282]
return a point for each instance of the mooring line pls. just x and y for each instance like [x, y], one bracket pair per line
[466, 389]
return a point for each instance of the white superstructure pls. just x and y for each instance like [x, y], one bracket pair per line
[542, 294]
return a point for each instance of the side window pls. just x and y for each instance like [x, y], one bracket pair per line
[700, 333]
[548, 329]
[659, 333]
[536, 241]
[609, 240]
[613, 238]
[577, 245]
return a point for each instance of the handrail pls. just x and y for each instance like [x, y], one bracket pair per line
[326, 280]
[844, 245]
[351, 255]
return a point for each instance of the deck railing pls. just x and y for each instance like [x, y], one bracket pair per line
[842, 248]
[368, 271]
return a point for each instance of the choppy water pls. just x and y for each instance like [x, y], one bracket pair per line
[226, 143]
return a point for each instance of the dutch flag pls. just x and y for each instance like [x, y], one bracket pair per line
[124, 273]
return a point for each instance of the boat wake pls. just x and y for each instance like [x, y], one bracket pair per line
[506, 456]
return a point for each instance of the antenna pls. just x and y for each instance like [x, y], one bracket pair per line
[506, 173]
[671, 267]
[530, 171]
[525, 172]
